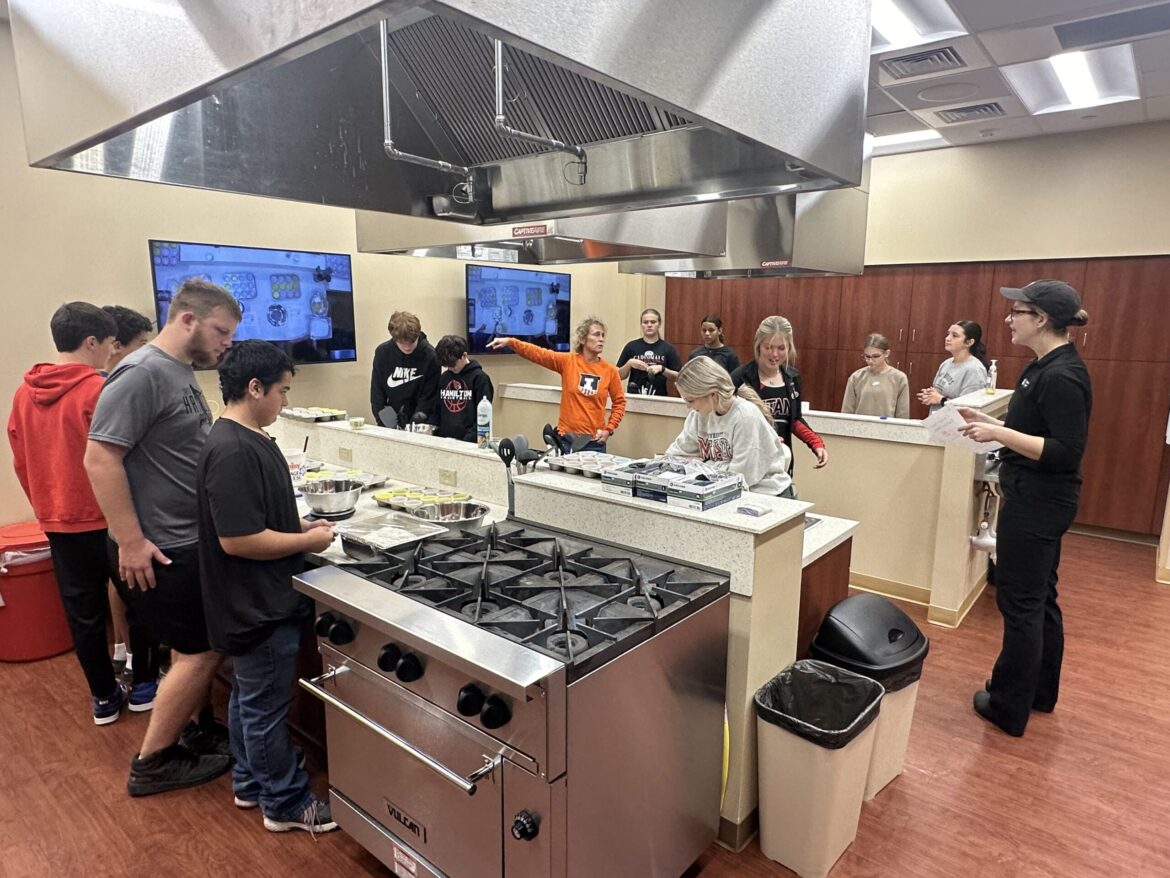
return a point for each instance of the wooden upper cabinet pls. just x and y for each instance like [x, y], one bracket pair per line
[945, 294]
[688, 301]
[813, 305]
[1017, 274]
[1125, 299]
[746, 301]
[876, 301]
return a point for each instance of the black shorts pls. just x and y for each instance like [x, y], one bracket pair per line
[172, 611]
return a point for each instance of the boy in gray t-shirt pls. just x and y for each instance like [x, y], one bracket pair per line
[152, 405]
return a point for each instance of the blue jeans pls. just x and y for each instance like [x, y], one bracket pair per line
[266, 763]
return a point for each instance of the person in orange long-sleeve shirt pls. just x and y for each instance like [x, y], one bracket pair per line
[587, 382]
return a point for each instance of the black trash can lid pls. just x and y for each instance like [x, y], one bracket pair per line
[868, 634]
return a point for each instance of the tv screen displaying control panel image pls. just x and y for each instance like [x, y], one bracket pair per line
[298, 300]
[532, 306]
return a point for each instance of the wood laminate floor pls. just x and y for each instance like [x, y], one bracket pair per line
[1084, 794]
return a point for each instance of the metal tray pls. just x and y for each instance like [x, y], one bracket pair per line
[380, 531]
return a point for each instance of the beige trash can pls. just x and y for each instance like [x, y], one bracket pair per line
[891, 736]
[815, 729]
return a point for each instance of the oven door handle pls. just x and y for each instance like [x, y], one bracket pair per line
[467, 784]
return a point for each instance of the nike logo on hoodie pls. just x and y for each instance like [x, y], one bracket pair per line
[402, 375]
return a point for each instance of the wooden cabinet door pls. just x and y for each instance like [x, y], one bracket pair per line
[818, 377]
[876, 301]
[1127, 433]
[688, 300]
[1018, 274]
[1125, 299]
[746, 301]
[945, 294]
[813, 305]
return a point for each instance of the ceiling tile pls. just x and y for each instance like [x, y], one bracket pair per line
[880, 103]
[893, 123]
[1013, 45]
[991, 131]
[1126, 113]
[1157, 108]
[1155, 83]
[970, 87]
[1152, 53]
[982, 15]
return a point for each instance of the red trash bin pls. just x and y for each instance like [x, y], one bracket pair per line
[32, 619]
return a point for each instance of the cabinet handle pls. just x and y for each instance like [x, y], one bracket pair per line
[911, 372]
[900, 331]
[1085, 340]
[913, 335]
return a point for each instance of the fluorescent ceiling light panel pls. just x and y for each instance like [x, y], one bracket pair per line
[900, 24]
[1076, 80]
[926, 134]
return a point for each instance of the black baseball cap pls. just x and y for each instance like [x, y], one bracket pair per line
[1054, 297]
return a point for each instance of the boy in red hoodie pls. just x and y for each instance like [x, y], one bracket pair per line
[48, 430]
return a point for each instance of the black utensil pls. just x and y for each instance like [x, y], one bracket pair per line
[552, 439]
[579, 441]
[506, 449]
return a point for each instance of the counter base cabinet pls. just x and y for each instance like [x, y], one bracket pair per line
[823, 583]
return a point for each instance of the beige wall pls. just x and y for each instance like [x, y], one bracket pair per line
[67, 236]
[1094, 193]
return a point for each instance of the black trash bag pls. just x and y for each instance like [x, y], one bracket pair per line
[821, 703]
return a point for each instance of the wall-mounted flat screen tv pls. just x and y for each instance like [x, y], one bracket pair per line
[532, 306]
[300, 301]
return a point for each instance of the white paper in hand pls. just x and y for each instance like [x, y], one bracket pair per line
[944, 425]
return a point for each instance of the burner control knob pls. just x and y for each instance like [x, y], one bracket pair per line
[388, 657]
[324, 623]
[340, 633]
[409, 668]
[495, 712]
[525, 826]
[470, 700]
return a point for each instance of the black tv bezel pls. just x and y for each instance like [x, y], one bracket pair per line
[541, 270]
[150, 242]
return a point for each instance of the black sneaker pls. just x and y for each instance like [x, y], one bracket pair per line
[313, 819]
[206, 740]
[107, 710]
[173, 768]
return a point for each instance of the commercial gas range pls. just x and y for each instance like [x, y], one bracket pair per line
[516, 701]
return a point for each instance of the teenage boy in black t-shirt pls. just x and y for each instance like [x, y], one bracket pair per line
[251, 543]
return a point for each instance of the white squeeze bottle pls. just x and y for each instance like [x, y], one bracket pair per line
[991, 378]
[483, 422]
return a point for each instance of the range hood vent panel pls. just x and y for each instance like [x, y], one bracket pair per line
[674, 101]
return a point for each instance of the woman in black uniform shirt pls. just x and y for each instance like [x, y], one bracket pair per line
[1044, 437]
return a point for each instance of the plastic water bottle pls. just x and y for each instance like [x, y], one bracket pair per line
[991, 379]
[483, 422]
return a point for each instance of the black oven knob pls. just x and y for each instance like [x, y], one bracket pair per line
[388, 657]
[323, 624]
[495, 712]
[525, 826]
[341, 633]
[470, 700]
[409, 668]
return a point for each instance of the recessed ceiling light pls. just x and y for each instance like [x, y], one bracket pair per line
[1076, 80]
[900, 24]
[921, 136]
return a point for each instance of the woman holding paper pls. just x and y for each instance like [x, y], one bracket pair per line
[731, 428]
[1044, 436]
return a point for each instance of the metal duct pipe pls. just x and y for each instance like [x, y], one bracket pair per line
[388, 136]
[504, 128]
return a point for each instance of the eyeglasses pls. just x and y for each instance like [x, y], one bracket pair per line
[872, 356]
[1016, 311]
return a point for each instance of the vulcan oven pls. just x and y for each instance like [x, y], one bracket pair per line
[515, 701]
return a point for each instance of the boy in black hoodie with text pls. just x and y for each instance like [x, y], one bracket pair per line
[461, 388]
[406, 374]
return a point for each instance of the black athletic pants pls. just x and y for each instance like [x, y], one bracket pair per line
[1032, 522]
[82, 568]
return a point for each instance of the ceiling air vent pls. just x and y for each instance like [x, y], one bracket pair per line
[1133, 24]
[939, 60]
[973, 113]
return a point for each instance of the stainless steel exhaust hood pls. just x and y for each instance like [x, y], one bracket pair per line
[693, 229]
[805, 233]
[400, 106]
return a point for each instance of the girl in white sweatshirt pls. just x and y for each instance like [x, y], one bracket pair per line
[731, 429]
